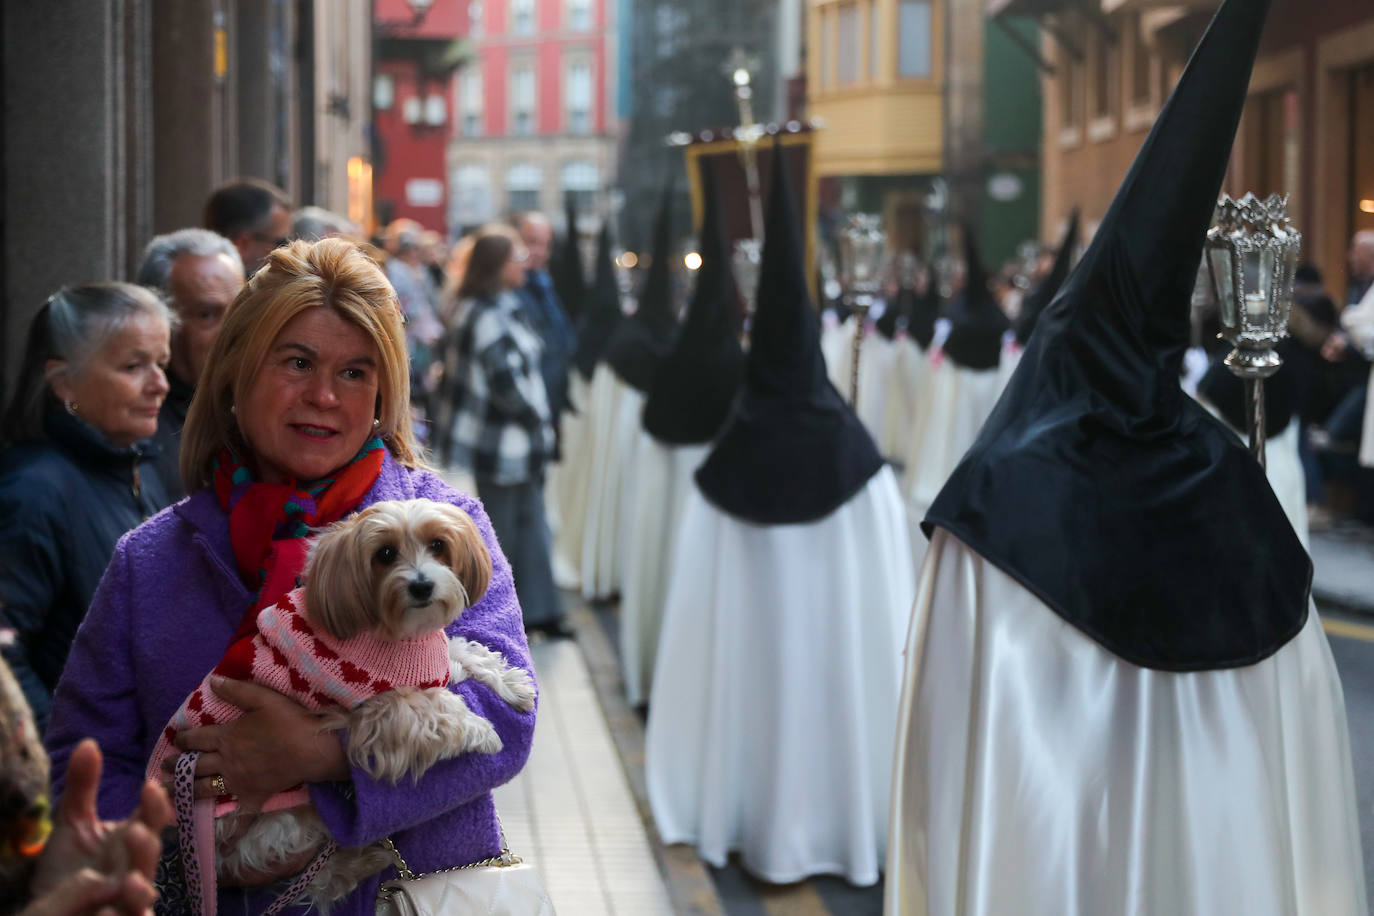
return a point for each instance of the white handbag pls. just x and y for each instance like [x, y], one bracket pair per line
[504, 885]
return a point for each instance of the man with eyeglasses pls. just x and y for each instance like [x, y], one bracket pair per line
[254, 215]
[198, 274]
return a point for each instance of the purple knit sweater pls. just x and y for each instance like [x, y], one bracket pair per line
[164, 613]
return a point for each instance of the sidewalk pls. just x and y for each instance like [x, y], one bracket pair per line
[1343, 568]
[570, 811]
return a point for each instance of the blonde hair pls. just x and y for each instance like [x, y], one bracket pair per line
[332, 273]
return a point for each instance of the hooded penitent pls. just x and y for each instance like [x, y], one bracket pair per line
[695, 384]
[792, 451]
[642, 340]
[1043, 294]
[976, 323]
[568, 281]
[923, 312]
[1097, 482]
[601, 314]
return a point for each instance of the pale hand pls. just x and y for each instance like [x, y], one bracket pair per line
[95, 866]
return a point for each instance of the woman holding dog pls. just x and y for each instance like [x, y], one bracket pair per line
[301, 420]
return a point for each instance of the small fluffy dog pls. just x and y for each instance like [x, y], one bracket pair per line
[364, 642]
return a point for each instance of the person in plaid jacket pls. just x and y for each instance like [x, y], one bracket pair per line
[501, 428]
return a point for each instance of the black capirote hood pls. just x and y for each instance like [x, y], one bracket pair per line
[1097, 482]
[696, 383]
[792, 450]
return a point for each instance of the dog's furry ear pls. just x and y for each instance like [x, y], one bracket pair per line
[471, 561]
[338, 579]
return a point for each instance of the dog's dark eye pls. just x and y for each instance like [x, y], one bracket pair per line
[436, 546]
[385, 556]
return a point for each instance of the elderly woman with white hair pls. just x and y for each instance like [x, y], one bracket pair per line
[74, 473]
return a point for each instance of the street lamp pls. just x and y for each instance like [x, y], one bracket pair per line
[1252, 251]
[863, 252]
[419, 8]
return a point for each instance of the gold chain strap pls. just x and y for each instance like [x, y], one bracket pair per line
[505, 860]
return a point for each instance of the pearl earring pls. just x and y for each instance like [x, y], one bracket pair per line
[376, 422]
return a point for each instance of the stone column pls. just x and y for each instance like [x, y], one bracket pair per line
[74, 87]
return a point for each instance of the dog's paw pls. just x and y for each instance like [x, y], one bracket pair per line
[473, 660]
[474, 734]
[516, 687]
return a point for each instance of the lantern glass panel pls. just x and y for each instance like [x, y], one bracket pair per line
[1290, 267]
[1221, 275]
[1259, 283]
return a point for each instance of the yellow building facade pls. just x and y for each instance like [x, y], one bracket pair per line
[875, 79]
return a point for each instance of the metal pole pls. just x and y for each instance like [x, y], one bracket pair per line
[1254, 395]
[861, 306]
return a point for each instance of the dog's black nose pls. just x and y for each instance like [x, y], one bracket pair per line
[421, 589]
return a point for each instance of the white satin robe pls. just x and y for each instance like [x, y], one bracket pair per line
[952, 405]
[662, 481]
[1037, 773]
[568, 485]
[613, 421]
[775, 692]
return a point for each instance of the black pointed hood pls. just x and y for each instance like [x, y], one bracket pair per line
[569, 283]
[923, 311]
[1097, 483]
[1043, 294]
[695, 384]
[894, 309]
[792, 451]
[641, 341]
[977, 323]
[601, 313]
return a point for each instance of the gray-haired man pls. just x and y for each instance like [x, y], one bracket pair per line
[198, 273]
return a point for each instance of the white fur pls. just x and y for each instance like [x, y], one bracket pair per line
[399, 733]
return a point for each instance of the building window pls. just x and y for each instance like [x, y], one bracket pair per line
[1139, 72]
[578, 96]
[522, 99]
[670, 28]
[1102, 63]
[523, 182]
[874, 41]
[522, 17]
[471, 103]
[823, 59]
[847, 52]
[1071, 76]
[579, 15]
[474, 18]
[1271, 144]
[580, 183]
[913, 39]
[383, 92]
[470, 204]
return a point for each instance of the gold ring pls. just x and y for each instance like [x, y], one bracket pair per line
[217, 782]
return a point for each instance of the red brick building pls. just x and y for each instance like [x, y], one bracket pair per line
[534, 109]
[418, 48]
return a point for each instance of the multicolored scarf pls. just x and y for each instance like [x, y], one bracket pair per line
[269, 522]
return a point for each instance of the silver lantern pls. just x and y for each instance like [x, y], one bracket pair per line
[863, 259]
[1252, 252]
